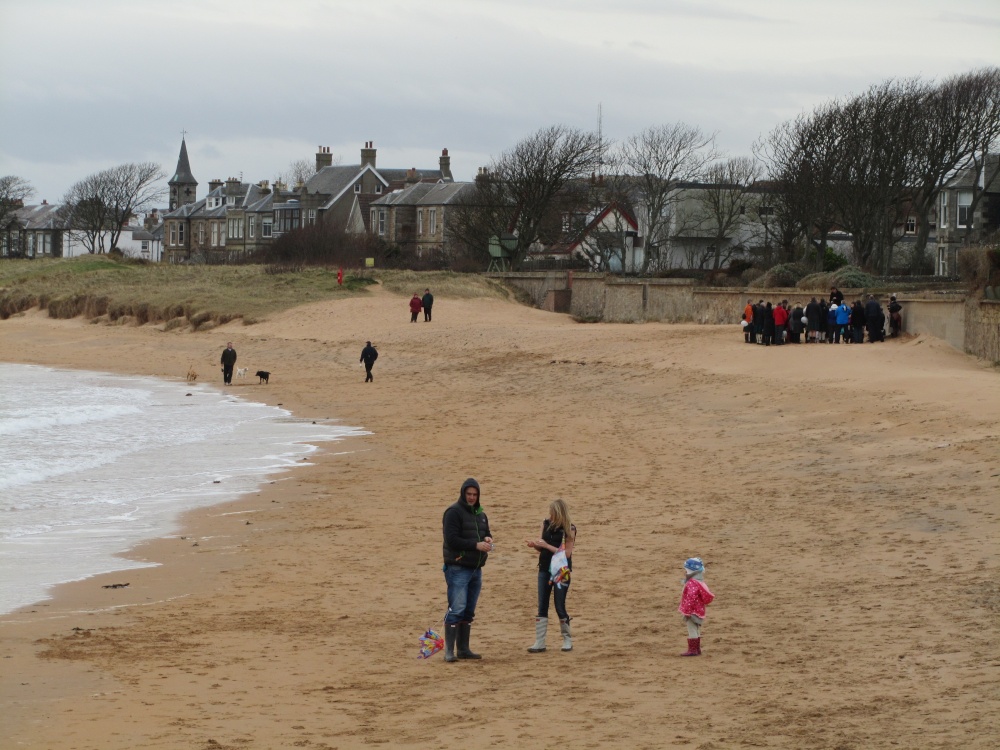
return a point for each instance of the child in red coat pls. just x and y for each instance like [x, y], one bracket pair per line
[693, 600]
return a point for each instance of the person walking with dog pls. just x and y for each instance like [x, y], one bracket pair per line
[467, 545]
[428, 302]
[558, 533]
[368, 356]
[228, 362]
[415, 305]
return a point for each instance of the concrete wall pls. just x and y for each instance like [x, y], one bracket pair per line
[942, 318]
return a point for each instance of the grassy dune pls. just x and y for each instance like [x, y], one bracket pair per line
[107, 289]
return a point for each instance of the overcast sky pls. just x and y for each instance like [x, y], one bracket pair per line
[88, 84]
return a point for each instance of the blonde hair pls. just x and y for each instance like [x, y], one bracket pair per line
[559, 516]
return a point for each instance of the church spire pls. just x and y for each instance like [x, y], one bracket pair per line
[183, 185]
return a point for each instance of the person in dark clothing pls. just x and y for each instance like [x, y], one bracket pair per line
[228, 362]
[814, 310]
[795, 324]
[368, 355]
[427, 301]
[836, 296]
[758, 322]
[553, 537]
[467, 544]
[768, 324]
[895, 317]
[858, 322]
[874, 320]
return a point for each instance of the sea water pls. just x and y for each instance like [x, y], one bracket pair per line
[92, 463]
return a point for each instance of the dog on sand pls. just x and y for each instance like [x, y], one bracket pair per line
[263, 375]
[192, 375]
[241, 372]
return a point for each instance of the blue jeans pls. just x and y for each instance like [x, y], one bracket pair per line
[544, 587]
[464, 585]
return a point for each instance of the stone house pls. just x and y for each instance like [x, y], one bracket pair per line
[959, 223]
[416, 216]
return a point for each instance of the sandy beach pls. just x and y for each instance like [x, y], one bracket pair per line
[844, 498]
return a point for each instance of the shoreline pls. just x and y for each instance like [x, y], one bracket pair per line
[866, 483]
[286, 457]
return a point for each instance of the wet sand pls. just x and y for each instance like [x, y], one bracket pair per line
[845, 500]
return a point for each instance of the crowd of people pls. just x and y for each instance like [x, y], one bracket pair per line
[820, 322]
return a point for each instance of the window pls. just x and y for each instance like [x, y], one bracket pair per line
[378, 189]
[943, 211]
[173, 233]
[357, 187]
[964, 208]
[145, 246]
[180, 234]
[266, 227]
[222, 234]
[312, 216]
[287, 219]
[215, 234]
[420, 221]
[434, 221]
[943, 261]
[230, 200]
[911, 224]
[201, 233]
[381, 221]
[252, 220]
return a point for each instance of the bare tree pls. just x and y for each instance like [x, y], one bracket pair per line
[658, 159]
[725, 200]
[14, 191]
[526, 191]
[299, 171]
[103, 203]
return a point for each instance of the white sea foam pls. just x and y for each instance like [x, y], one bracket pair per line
[91, 464]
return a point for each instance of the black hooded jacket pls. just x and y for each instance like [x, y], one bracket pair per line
[464, 526]
[368, 356]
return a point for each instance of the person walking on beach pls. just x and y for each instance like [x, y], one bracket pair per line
[467, 544]
[554, 537]
[368, 355]
[228, 362]
[428, 302]
[415, 305]
[748, 335]
[694, 598]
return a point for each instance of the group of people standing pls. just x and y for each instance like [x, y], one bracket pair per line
[830, 322]
[468, 542]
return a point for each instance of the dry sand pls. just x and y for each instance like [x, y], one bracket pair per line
[844, 499]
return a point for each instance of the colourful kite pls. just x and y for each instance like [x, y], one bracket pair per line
[430, 644]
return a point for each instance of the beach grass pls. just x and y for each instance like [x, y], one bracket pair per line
[198, 296]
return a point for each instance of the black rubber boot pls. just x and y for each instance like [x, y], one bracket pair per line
[449, 642]
[463, 642]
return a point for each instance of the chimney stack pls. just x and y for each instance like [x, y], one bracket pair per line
[323, 158]
[412, 175]
[445, 164]
[214, 185]
[368, 154]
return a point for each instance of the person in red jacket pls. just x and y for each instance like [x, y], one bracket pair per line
[693, 600]
[780, 321]
[415, 307]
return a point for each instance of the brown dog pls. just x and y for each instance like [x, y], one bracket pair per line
[192, 375]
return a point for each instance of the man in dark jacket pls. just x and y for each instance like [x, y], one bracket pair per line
[368, 356]
[467, 544]
[427, 301]
[874, 319]
[228, 362]
[895, 316]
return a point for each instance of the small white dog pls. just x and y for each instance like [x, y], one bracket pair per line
[241, 372]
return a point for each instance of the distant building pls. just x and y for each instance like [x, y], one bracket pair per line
[415, 217]
[958, 223]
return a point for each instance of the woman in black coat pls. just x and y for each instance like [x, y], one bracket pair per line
[768, 324]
